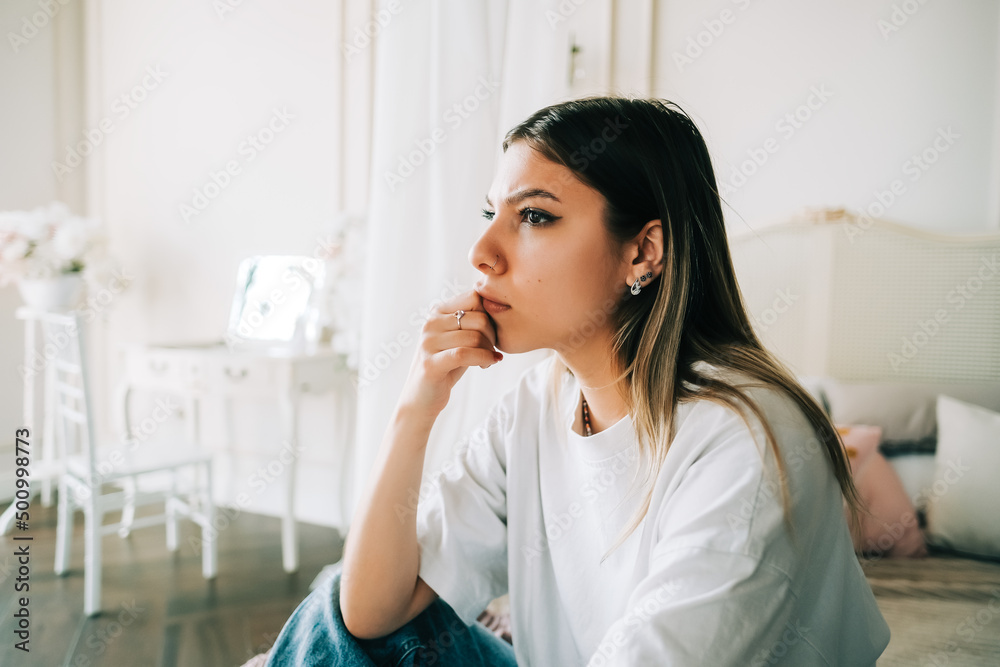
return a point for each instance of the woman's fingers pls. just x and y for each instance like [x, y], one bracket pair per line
[446, 350]
[478, 320]
[475, 330]
[463, 338]
[449, 358]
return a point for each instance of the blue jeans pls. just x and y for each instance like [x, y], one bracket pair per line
[315, 636]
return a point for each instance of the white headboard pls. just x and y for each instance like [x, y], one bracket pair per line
[870, 300]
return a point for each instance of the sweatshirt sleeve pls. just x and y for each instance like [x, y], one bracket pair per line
[462, 521]
[710, 597]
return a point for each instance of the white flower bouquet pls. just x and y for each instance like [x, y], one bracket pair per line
[47, 242]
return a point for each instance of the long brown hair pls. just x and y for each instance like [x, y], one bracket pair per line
[649, 161]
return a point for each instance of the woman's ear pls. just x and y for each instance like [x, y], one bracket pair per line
[646, 249]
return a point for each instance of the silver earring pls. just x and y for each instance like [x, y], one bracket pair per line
[635, 286]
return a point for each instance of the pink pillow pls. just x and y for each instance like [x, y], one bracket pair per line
[892, 530]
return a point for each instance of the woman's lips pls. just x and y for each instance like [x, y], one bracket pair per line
[494, 308]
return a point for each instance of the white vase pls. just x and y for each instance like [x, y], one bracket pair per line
[53, 294]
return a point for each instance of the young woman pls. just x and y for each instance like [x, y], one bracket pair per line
[658, 491]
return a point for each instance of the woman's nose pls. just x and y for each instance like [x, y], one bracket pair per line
[482, 256]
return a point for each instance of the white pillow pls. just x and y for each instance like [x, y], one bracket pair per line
[916, 472]
[963, 509]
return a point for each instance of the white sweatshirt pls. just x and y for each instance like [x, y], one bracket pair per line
[710, 577]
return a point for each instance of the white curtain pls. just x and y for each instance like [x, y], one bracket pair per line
[432, 164]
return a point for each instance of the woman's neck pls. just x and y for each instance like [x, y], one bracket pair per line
[604, 402]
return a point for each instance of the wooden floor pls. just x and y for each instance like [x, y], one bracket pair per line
[158, 611]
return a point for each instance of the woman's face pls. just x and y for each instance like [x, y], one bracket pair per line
[553, 262]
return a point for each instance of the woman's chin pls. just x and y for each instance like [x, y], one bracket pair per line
[508, 346]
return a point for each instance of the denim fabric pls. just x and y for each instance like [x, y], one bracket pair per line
[315, 636]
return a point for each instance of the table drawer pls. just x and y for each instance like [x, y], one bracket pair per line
[242, 377]
[158, 369]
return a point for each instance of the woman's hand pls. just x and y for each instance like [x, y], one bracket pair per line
[445, 352]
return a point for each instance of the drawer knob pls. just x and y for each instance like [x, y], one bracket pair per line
[236, 376]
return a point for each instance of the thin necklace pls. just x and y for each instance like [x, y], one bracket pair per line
[586, 418]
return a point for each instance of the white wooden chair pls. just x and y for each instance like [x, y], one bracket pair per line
[101, 480]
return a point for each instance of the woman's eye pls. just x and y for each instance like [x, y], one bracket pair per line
[535, 217]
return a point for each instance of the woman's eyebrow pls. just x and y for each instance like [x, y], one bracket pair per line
[521, 195]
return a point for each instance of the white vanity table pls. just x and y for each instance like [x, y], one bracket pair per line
[271, 351]
[263, 357]
[197, 372]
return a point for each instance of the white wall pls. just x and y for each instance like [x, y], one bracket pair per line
[889, 95]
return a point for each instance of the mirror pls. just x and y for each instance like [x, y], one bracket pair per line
[275, 301]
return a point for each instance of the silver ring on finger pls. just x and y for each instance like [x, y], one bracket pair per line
[458, 317]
